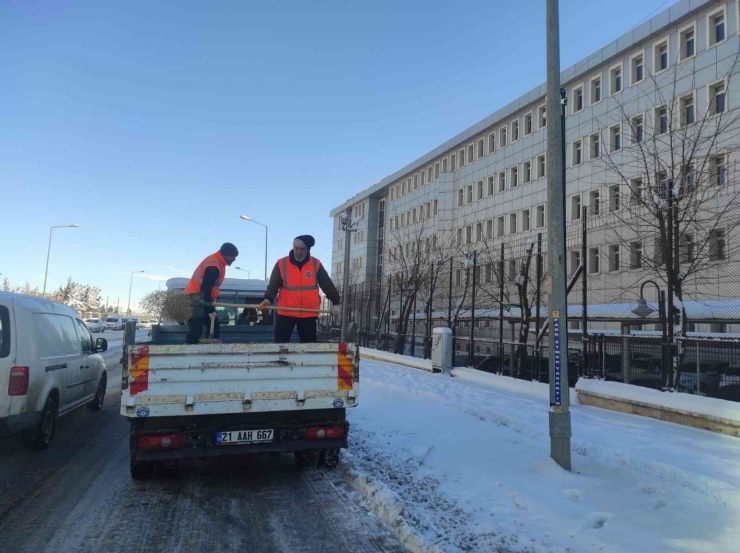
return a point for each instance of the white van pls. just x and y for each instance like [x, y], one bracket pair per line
[49, 366]
[115, 323]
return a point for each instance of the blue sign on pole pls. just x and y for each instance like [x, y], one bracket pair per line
[556, 343]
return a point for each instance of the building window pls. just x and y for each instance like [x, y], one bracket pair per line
[469, 195]
[614, 258]
[429, 174]
[452, 162]
[718, 328]
[574, 262]
[500, 226]
[491, 143]
[527, 176]
[512, 223]
[593, 260]
[635, 255]
[429, 210]
[636, 192]
[436, 170]
[716, 31]
[719, 170]
[614, 199]
[515, 130]
[541, 166]
[489, 229]
[502, 181]
[435, 207]
[481, 148]
[540, 216]
[615, 79]
[414, 215]
[616, 138]
[595, 146]
[444, 165]
[637, 126]
[514, 176]
[416, 180]
[717, 98]
[502, 137]
[393, 192]
[687, 110]
[717, 245]
[480, 190]
[575, 207]
[689, 178]
[661, 120]
[525, 220]
[423, 175]
[688, 43]
[577, 99]
[458, 277]
[577, 156]
[595, 90]
[490, 186]
[458, 238]
[686, 248]
[489, 279]
[542, 117]
[638, 69]
[461, 155]
[593, 202]
[468, 235]
[660, 53]
[404, 188]
[460, 197]
[528, 124]
[470, 153]
[478, 232]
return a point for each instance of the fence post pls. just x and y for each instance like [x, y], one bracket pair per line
[471, 353]
[538, 301]
[698, 370]
[626, 354]
[501, 313]
[584, 297]
[602, 356]
[388, 315]
[413, 324]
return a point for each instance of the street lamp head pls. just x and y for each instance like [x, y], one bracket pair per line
[245, 217]
[74, 225]
[643, 310]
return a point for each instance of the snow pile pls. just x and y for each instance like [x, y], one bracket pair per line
[718, 409]
[376, 354]
[464, 466]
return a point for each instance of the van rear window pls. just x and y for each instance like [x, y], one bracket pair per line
[4, 331]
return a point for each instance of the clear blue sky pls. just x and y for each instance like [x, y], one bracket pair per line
[155, 124]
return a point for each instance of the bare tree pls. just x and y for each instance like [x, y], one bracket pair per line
[154, 301]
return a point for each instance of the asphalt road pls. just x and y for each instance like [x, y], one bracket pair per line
[78, 496]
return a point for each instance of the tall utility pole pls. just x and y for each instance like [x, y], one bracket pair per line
[347, 247]
[558, 318]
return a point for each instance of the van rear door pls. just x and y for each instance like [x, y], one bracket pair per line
[7, 354]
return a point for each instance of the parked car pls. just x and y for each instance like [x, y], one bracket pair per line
[95, 325]
[144, 324]
[49, 366]
[153, 322]
[115, 323]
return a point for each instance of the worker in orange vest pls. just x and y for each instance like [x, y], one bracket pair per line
[295, 282]
[204, 287]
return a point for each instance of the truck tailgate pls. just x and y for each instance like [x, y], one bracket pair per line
[209, 379]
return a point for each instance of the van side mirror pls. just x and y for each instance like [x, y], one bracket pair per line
[101, 344]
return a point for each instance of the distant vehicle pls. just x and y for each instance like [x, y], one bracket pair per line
[115, 323]
[144, 324]
[153, 322]
[49, 366]
[95, 325]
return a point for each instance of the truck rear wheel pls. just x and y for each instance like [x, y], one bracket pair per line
[329, 458]
[304, 458]
[141, 470]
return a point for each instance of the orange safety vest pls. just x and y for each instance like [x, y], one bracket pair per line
[300, 288]
[196, 281]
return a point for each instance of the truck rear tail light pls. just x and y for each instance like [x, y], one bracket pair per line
[166, 441]
[324, 432]
[18, 383]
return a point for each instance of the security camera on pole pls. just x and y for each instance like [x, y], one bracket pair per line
[349, 226]
[560, 430]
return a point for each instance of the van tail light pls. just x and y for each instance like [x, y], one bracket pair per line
[159, 443]
[18, 383]
[324, 432]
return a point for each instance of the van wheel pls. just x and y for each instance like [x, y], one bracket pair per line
[96, 404]
[141, 470]
[44, 432]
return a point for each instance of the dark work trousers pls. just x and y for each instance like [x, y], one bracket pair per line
[201, 320]
[284, 328]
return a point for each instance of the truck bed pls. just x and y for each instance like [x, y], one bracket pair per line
[214, 379]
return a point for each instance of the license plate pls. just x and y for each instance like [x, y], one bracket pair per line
[243, 437]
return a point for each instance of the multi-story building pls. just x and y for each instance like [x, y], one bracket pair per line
[657, 83]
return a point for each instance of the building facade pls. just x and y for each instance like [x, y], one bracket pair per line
[662, 88]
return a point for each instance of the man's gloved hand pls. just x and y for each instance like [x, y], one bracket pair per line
[336, 311]
[265, 303]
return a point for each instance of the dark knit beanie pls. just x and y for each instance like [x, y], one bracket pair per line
[307, 239]
[229, 249]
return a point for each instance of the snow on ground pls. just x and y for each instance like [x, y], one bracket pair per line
[464, 465]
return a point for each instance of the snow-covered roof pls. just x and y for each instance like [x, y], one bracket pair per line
[229, 285]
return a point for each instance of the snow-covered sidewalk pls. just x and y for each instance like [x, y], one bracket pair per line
[463, 463]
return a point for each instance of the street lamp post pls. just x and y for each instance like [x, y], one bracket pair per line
[48, 252]
[248, 218]
[249, 275]
[643, 310]
[130, 286]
